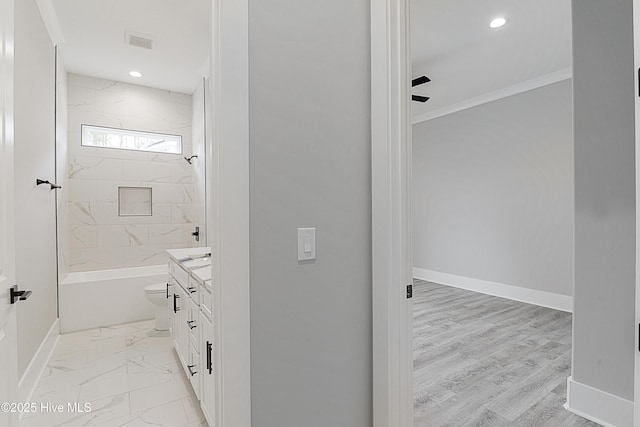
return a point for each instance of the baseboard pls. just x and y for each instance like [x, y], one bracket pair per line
[530, 296]
[598, 406]
[32, 375]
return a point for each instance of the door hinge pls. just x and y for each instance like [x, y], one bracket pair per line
[409, 291]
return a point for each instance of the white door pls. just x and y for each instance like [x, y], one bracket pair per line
[8, 334]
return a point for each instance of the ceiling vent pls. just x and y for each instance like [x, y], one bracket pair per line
[143, 41]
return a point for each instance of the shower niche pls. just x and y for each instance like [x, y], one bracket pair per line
[135, 201]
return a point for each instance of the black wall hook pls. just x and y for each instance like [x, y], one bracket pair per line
[53, 186]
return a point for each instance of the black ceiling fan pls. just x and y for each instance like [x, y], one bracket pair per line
[417, 82]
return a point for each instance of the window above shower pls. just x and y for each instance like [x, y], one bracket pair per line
[123, 139]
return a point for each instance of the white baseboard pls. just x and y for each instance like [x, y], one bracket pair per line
[530, 296]
[32, 375]
[598, 406]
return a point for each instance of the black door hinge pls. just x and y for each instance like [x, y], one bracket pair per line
[409, 291]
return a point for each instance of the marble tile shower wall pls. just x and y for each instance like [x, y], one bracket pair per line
[99, 238]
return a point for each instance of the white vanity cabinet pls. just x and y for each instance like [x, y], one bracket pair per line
[191, 320]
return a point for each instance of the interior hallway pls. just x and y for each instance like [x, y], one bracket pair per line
[481, 360]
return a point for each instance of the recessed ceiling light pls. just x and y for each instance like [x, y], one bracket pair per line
[498, 22]
[135, 73]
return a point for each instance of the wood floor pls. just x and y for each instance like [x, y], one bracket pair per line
[481, 360]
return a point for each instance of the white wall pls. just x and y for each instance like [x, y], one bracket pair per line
[98, 237]
[493, 191]
[34, 158]
[605, 208]
[310, 166]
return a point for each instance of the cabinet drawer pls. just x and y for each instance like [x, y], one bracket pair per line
[193, 324]
[179, 273]
[206, 302]
[193, 369]
[193, 289]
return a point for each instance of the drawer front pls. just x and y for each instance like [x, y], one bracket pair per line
[193, 324]
[193, 370]
[179, 274]
[206, 302]
[193, 290]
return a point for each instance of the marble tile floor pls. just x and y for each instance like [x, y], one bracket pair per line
[480, 360]
[129, 374]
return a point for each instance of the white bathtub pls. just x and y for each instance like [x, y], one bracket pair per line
[92, 299]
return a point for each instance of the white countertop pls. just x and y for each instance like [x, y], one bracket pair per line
[180, 255]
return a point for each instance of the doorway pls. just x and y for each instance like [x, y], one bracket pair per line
[492, 196]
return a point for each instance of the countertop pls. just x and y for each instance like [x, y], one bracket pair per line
[191, 258]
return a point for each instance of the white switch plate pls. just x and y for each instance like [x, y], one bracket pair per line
[306, 244]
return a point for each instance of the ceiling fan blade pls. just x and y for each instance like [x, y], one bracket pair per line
[419, 98]
[420, 81]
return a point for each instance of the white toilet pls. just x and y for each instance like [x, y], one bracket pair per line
[157, 294]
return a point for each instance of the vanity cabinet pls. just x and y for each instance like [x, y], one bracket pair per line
[190, 305]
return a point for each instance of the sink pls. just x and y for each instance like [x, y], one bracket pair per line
[192, 263]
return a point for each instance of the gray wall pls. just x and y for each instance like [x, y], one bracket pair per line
[493, 191]
[311, 323]
[604, 294]
[36, 265]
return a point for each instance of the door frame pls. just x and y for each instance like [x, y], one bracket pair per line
[228, 225]
[391, 213]
[7, 215]
[636, 61]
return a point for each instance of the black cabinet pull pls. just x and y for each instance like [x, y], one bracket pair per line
[191, 324]
[191, 371]
[191, 289]
[167, 290]
[175, 303]
[209, 362]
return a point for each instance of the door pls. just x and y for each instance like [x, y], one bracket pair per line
[34, 158]
[8, 334]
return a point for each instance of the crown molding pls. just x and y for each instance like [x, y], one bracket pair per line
[544, 80]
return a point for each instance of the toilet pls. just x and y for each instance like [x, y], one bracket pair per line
[157, 294]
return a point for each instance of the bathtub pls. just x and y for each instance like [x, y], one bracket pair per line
[91, 299]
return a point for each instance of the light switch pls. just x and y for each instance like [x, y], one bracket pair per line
[306, 244]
